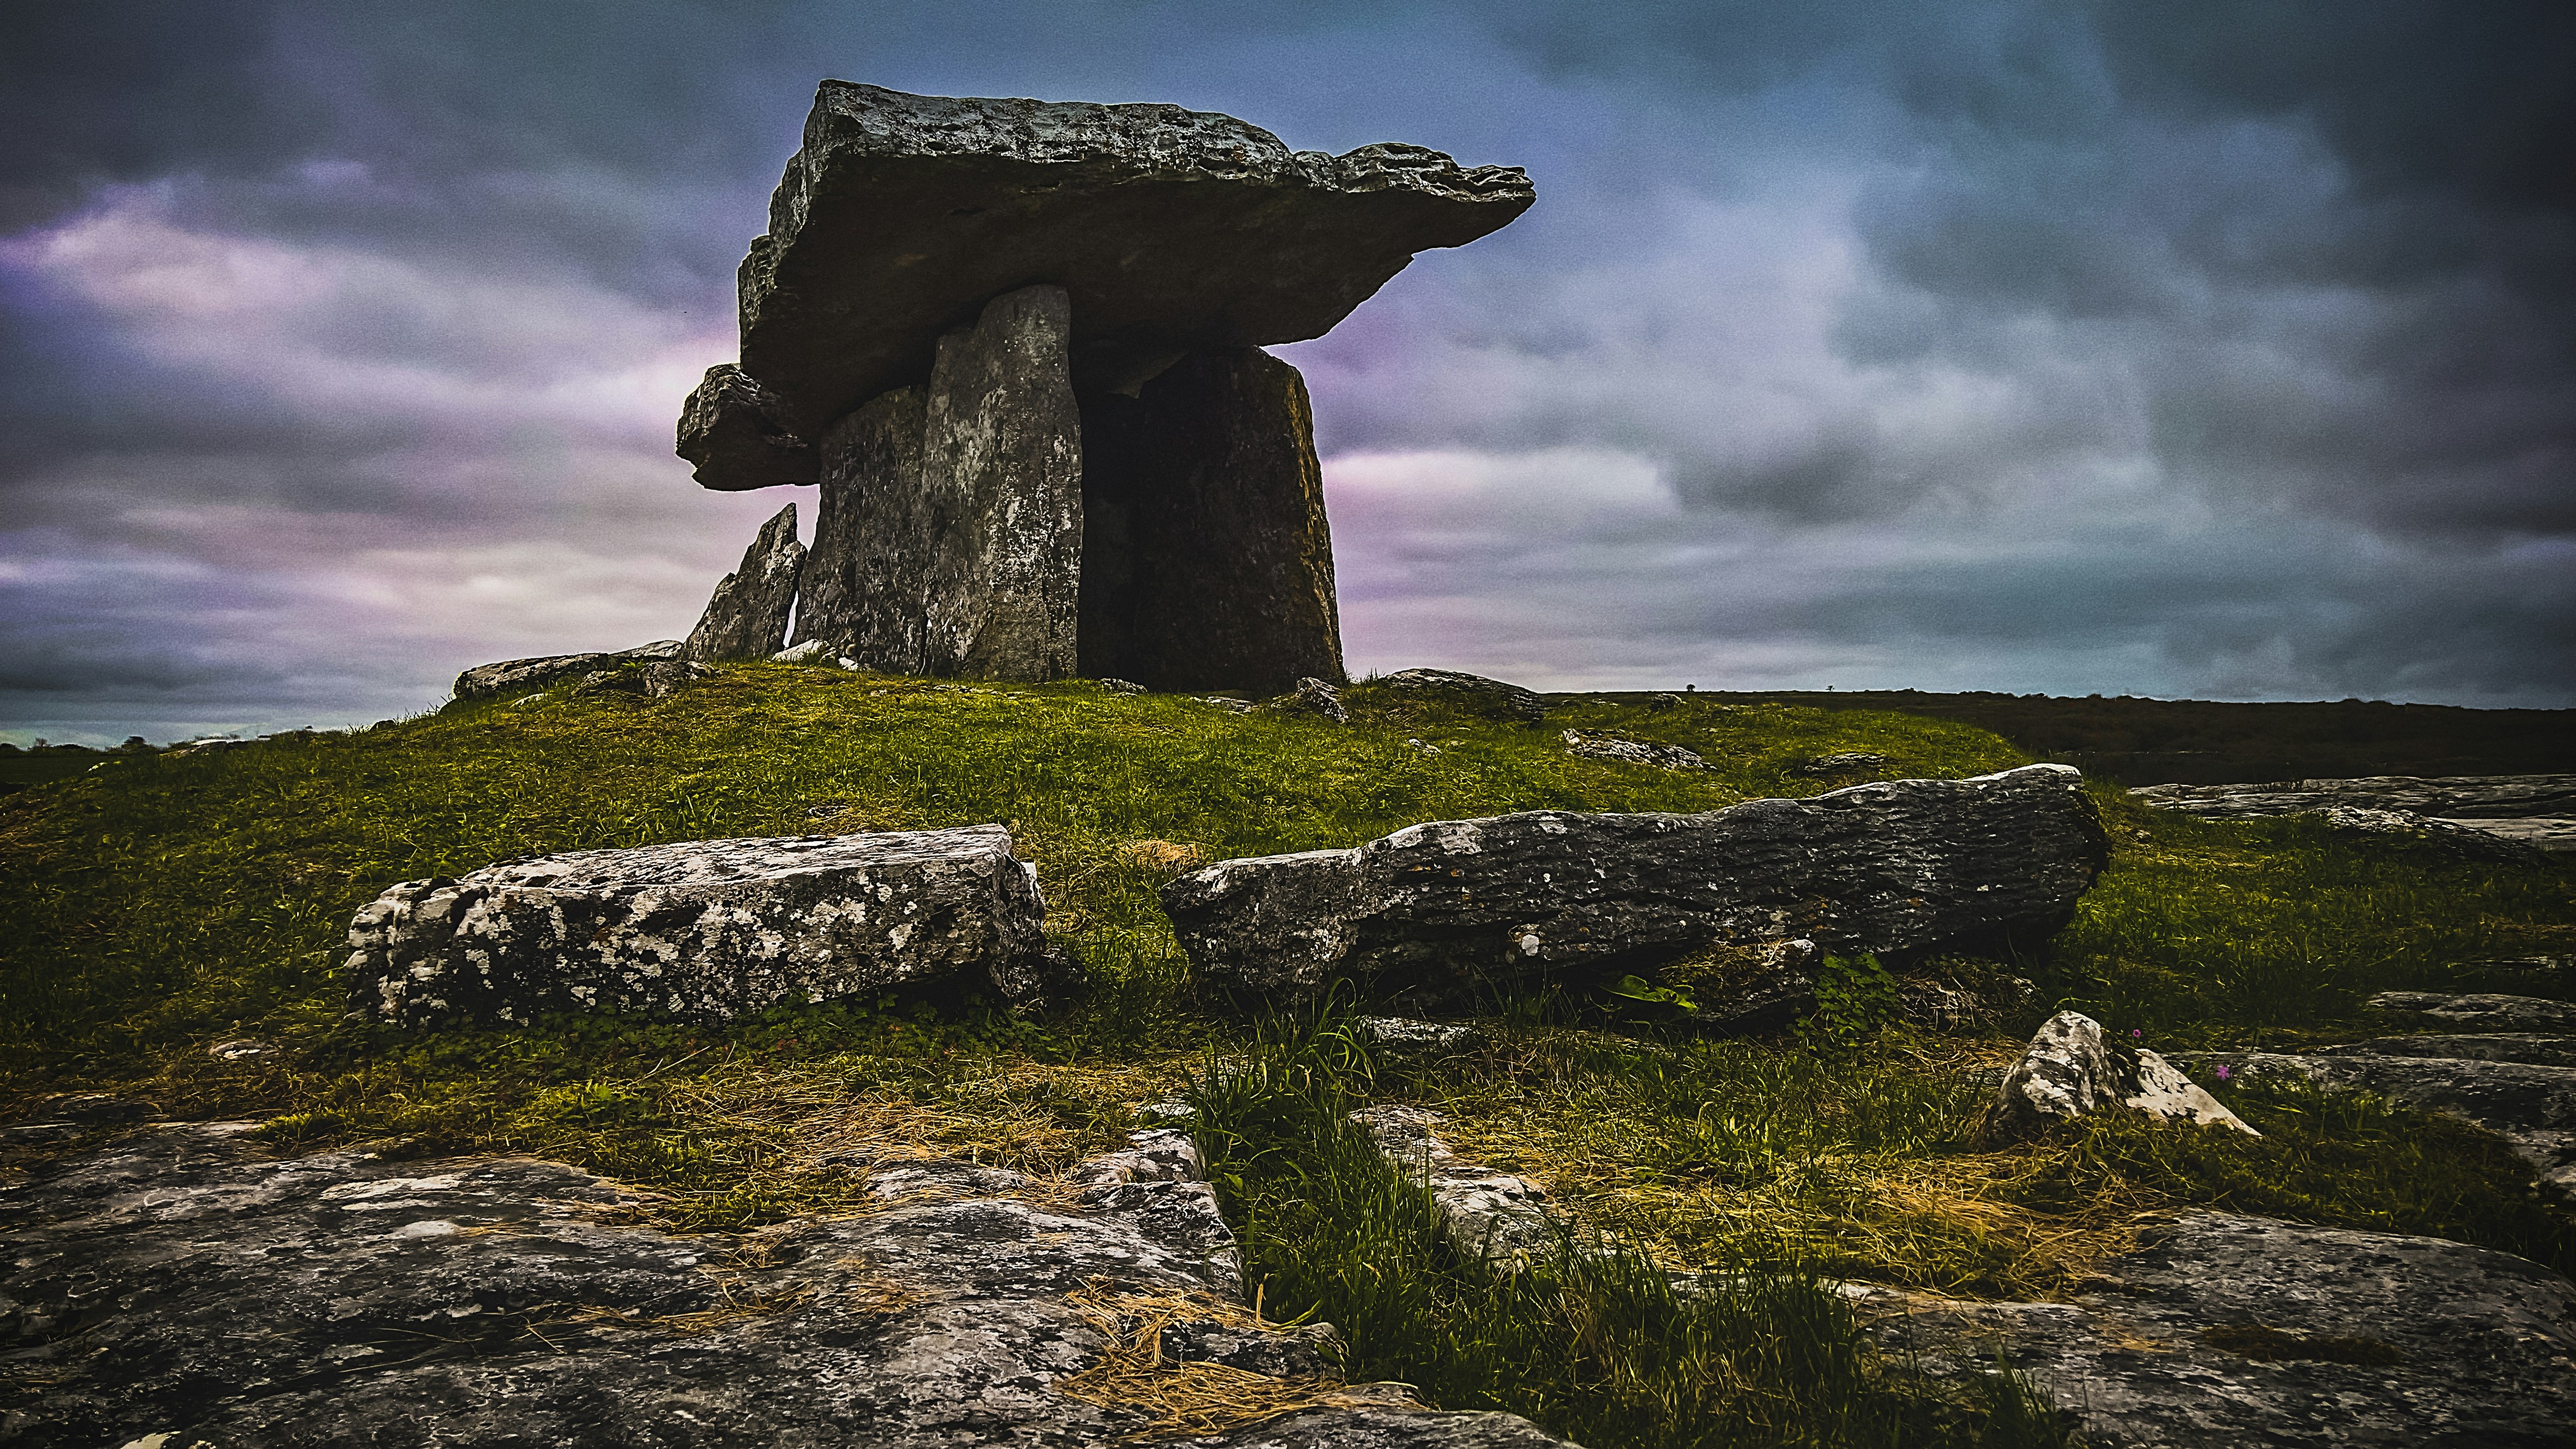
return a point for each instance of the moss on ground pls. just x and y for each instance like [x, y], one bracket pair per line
[157, 905]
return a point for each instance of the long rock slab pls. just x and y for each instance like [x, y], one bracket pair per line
[514, 676]
[183, 1286]
[901, 215]
[702, 930]
[1901, 865]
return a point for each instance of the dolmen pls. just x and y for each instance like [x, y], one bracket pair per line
[1018, 346]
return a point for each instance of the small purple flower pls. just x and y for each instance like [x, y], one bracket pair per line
[2136, 1032]
[2222, 1074]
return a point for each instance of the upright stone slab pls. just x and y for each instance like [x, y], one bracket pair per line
[1001, 483]
[747, 618]
[865, 582]
[1208, 563]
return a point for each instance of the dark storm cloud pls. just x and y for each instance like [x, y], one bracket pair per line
[2213, 347]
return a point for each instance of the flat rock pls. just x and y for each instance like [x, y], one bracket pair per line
[2247, 1331]
[747, 617]
[1897, 866]
[1632, 752]
[902, 215]
[1207, 560]
[520, 676]
[2527, 1048]
[734, 431]
[1488, 1214]
[2481, 1010]
[2538, 810]
[1849, 762]
[2463, 840]
[182, 1288]
[2069, 1070]
[1472, 692]
[2531, 1106]
[702, 930]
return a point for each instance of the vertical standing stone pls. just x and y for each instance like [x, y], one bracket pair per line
[1001, 484]
[865, 580]
[1213, 563]
[747, 618]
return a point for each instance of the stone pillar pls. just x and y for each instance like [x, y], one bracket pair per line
[865, 586]
[747, 618]
[1001, 489]
[1212, 563]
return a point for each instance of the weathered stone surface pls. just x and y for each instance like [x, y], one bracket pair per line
[747, 617]
[703, 929]
[520, 676]
[182, 1288]
[866, 583]
[2458, 839]
[658, 680]
[2481, 1010]
[1473, 692]
[1774, 983]
[1170, 229]
[734, 431]
[2069, 1070]
[1898, 866]
[2526, 1047]
[1493, 1215]
[1001, 480]
[2223, 1330]
[1207, 561]
[1633, 752]
[2538, 810]
[1311, 697]
[1842, 764]
[2531, 1106]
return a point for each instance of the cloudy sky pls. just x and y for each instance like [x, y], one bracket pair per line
[2219, 349]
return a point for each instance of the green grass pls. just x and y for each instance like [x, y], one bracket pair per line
[1594, 1342]
[2272, 932]
[161, 903]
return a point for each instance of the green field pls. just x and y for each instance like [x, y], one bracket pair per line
[161, 903]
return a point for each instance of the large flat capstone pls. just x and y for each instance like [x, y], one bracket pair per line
[703, 929]
[902, 215]
[1901, 865]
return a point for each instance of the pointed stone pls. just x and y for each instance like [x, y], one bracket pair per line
[1207, 560]
[1001, 482]
[735, 431]
[747, 618]
[864, 582]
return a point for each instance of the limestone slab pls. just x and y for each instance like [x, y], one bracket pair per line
[1895, 866]
[702, 930]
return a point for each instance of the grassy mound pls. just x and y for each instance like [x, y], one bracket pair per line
[158, 905]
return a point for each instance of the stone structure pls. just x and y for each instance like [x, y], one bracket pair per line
[1018, 344]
